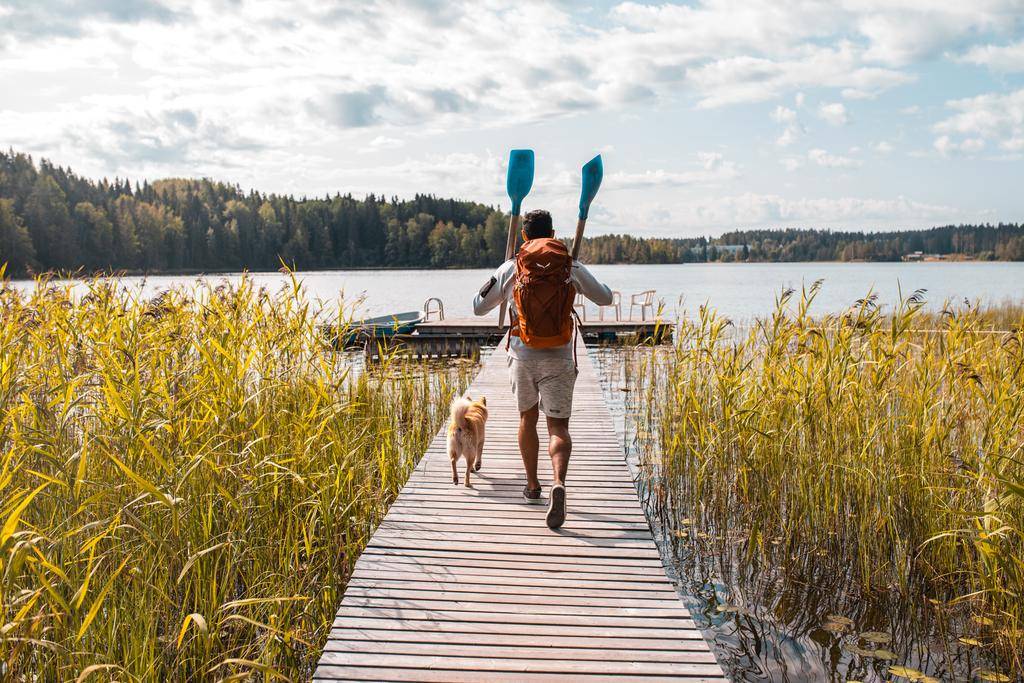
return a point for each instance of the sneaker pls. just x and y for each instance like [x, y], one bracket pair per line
[531, 495]
[556, 507]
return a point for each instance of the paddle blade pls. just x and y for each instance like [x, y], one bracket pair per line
[520, 177]
[593, 172]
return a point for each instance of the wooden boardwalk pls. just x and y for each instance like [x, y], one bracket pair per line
[469, 584]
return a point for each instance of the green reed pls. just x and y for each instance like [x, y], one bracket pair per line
[891, 443]
[187, 482]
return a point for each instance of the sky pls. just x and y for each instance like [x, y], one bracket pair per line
[710, 115]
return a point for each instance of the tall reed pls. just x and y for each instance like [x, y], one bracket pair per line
[891, 443]
[186, 482]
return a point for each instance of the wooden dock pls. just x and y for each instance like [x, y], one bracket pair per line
[463, 337]
[470, 585]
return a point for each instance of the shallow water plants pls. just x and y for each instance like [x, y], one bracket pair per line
[882, 449]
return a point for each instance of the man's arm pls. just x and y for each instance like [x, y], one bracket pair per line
[496, 290]
[589, 286]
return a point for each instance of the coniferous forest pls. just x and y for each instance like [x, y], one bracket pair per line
[54, 220]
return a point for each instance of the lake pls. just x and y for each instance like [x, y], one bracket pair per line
[739, 290]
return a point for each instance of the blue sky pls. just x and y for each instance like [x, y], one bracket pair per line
[713, 115]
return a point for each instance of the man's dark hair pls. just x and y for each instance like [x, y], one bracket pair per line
[537, 223]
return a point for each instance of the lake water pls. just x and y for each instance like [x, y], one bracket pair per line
[739, 290]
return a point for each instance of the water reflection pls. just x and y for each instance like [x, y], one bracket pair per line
[790, 613]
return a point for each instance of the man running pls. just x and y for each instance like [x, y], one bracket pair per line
[542, 282]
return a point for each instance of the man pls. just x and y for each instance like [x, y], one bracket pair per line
[542, 281]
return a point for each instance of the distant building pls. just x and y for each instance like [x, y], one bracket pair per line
[921, 256]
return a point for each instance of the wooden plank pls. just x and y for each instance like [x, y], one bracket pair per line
[456, 526]
[554, 642]
[482, 648]
[522, 618]
[482, 664]
[329, 672]
[508, 583]
[465, 584]
[500, 570]
[475, 559]
[406, 628]
[498, 601]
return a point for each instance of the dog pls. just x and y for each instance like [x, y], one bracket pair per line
[466, 435]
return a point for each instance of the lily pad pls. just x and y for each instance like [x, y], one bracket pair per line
[984, 621]
[835, 627]
[906, 672]
[971, 641]
[846, 621]
[876, 636]
[884, 654]
[858, 650]
[989, 675]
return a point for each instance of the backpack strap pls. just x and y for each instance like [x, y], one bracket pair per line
[577, 323]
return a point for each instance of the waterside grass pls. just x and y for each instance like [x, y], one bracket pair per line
[186, 482]
[885, 446]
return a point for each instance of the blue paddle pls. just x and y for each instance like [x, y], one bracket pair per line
[593, 173]
[518, 183]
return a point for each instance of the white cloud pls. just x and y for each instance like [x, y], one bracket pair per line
[798, 100]
[749, 78]
[788, 136]
[823, 158]
[882, 147]
[783, 115]
[1008, 58]
[711, 160]
[996, 118]
[834, 113]
[856, 94]
[791, 163]
[755, 210]
[384, 142]
[714, 169]
[948, 147]
[911, 110]
[787, 117]
[901, 32]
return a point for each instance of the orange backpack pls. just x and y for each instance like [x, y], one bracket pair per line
[543, 294]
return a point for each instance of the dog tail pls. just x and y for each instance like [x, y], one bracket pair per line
[458, 414]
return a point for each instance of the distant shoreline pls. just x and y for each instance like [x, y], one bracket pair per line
[213, 272]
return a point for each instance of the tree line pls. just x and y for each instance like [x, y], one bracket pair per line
[54, 220]
[1002, 242]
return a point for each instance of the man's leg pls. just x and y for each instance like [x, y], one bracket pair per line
[529, 445]
[556, 391]
[559, 447]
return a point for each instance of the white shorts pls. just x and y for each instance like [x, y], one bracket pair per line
[547, 381]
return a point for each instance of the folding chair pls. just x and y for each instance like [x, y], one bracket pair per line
[616, 304]
[644, 300]
[580, 303]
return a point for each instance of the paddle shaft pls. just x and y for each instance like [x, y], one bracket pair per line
[577, 241]
[510, 246]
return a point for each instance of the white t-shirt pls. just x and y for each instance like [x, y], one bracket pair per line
[498, 290]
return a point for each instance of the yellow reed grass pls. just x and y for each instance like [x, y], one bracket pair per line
[185, 483]
[891, 443]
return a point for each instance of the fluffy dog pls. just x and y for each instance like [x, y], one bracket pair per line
[466, 435]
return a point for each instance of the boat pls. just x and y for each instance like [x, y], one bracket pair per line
[382, 326]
